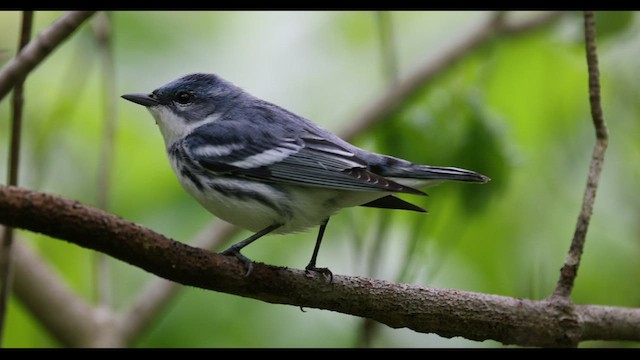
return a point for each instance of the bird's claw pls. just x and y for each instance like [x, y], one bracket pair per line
[323, 271]
[245, 260]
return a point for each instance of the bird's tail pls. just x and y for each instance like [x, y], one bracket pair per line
[445, 173]
[412, 175]
[421, 176]
[417, 176]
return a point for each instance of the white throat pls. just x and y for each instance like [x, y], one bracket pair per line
[174, 127]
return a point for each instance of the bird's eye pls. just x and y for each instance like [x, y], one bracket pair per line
[183, 97]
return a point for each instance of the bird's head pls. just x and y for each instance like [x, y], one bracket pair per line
[186, 103]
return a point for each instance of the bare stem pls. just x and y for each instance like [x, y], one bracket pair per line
[102, 28]
[18, 102]
[569, 270]
[14, 161]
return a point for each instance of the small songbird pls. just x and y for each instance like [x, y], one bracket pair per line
[263, 168]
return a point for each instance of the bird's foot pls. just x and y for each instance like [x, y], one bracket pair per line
[323, 271]
[245, 260]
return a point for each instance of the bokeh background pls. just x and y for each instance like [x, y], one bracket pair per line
[515, 109]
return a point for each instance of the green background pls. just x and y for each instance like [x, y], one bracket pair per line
[516, 109]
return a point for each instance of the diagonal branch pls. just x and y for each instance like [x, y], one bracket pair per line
[569, 271]
[38, 49]
[445, 312]
[72, 321]
[405, 88]
[159, 292]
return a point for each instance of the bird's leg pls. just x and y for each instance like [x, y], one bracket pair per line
[234, 250]
[312, 263]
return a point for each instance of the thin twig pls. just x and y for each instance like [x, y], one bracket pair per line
[38, 49]
[18, 102]
[569, 271]
[12, 176]
[102, 29]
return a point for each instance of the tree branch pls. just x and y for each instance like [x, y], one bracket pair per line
[403, 89]
[569, 270]
[37, 50]
[445, 312]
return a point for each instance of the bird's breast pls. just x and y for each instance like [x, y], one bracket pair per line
[256, 205]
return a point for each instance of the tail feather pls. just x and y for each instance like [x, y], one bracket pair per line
[395, 168]
[445, 173]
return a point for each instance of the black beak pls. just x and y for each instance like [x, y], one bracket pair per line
[141, 99]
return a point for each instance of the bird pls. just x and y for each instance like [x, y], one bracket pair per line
[263, 168]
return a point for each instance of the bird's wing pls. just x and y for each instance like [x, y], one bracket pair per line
[300, 159]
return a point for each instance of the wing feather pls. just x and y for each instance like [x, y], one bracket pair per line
[306, 160]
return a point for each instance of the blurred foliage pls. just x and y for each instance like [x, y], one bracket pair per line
[515, 110]
[611, 23]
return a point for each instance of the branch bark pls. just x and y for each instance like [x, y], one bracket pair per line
[442, 311]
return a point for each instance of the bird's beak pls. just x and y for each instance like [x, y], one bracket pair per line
[141, 99]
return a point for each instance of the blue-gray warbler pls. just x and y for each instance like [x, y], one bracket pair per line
[263, 168]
